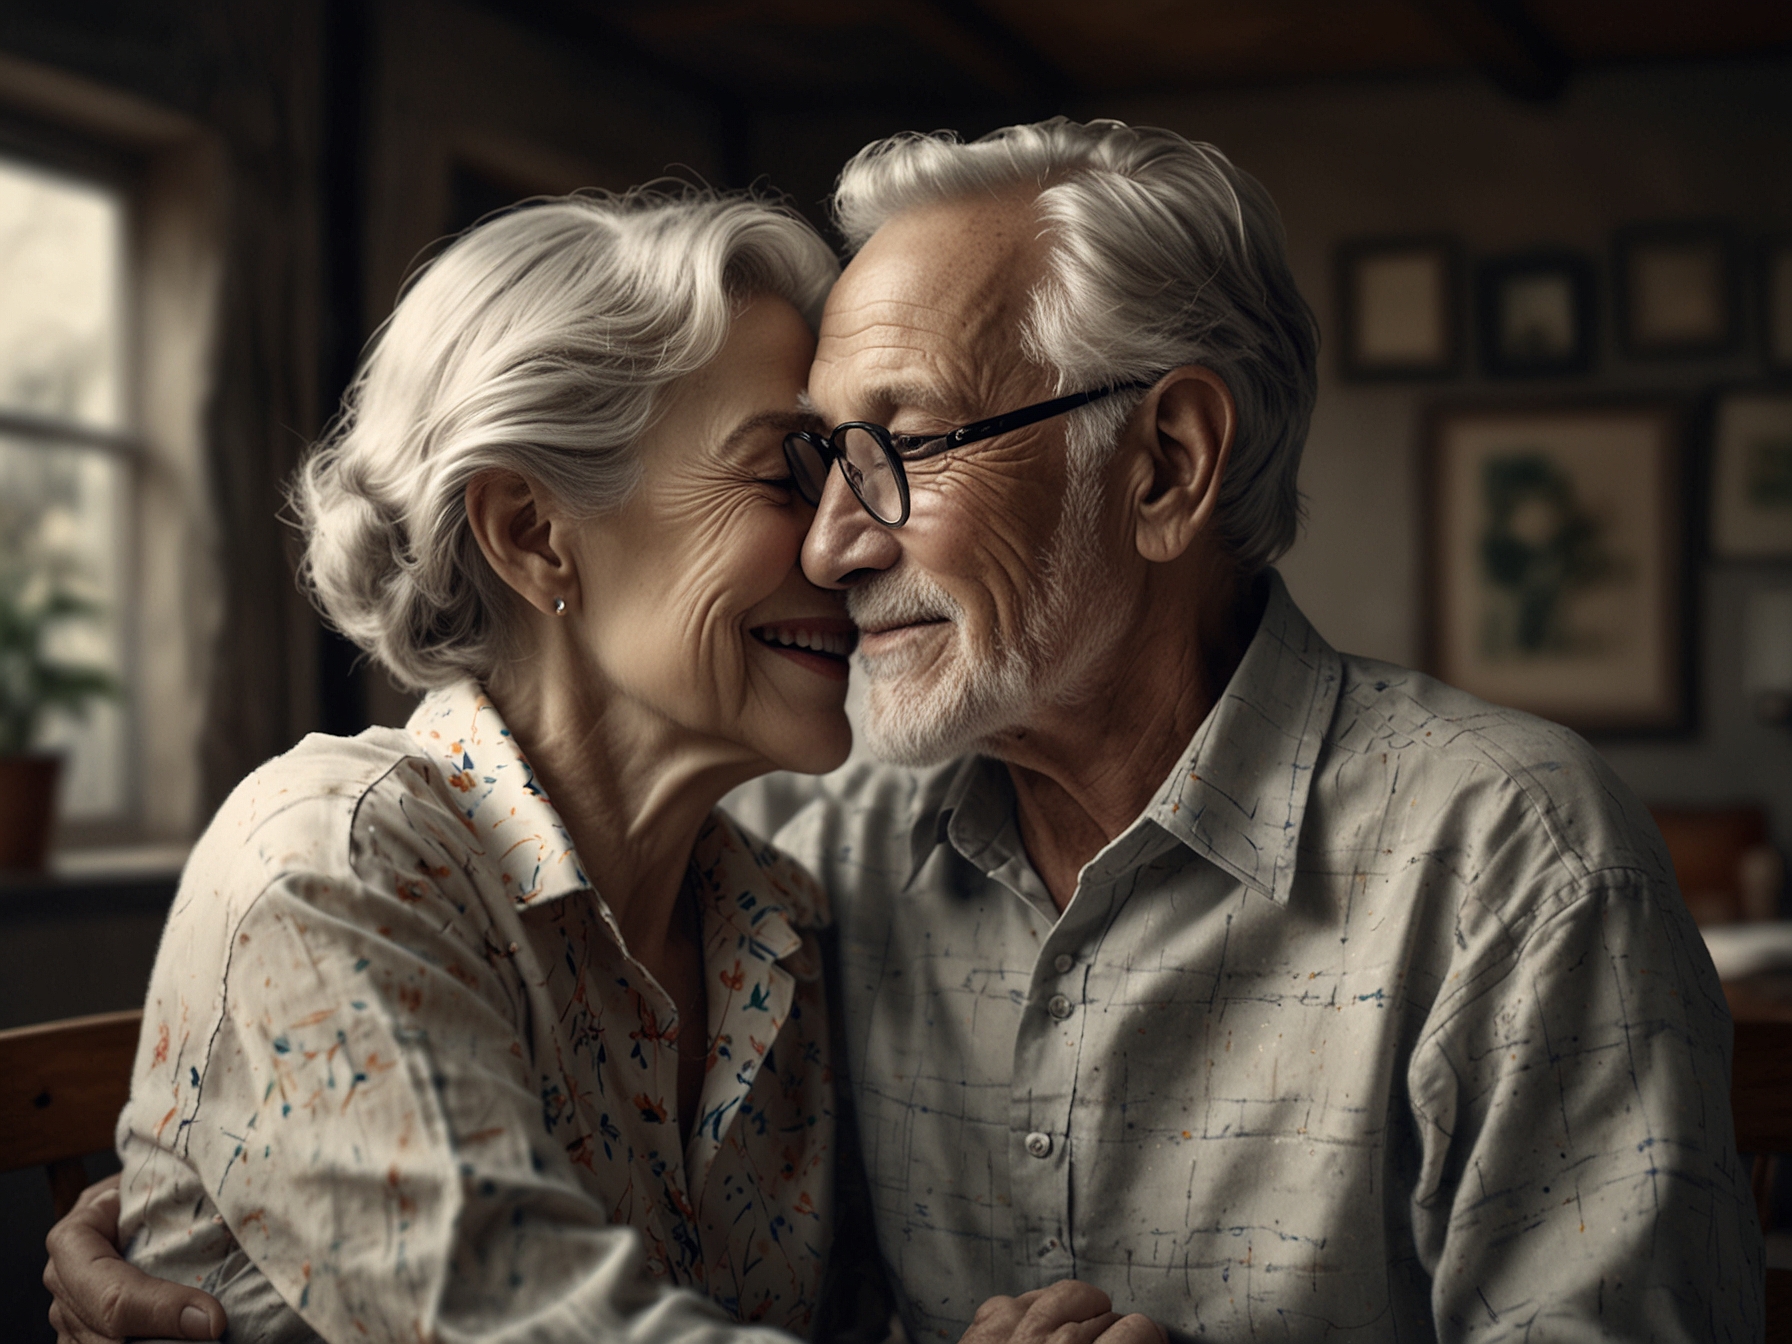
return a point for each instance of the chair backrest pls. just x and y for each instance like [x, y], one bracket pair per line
[1761, 1087]
[62, 1085]
[1761, 1098]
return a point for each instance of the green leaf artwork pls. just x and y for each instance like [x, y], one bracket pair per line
[1540, 546]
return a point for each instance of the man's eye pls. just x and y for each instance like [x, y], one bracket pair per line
[785, 482]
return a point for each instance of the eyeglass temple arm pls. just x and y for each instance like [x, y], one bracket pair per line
[1002, 424]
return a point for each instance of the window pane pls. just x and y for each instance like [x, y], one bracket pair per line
[62, 530]
[61, 533]
[60, 254]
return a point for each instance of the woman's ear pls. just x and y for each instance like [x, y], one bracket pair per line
[523, 538]
[1181, 444]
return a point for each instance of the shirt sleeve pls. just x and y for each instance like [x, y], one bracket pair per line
[367, 1128]
[1578, 1171]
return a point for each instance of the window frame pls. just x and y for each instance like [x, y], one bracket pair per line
[168, 172]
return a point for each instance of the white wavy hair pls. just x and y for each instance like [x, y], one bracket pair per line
[539, 342]
[1162, 253]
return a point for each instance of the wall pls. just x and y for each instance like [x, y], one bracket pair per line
[1453, 156]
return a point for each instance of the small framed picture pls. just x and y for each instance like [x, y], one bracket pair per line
[1535, 314]
[1398, 302]
[1776, 302]
[1751, 487]
[1677, 290]
[1556, 562]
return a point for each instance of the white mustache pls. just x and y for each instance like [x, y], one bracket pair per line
[900, 597]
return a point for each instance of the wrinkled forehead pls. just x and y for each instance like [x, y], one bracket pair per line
[934, 301]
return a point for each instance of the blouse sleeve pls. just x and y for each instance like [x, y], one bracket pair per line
[362, 1119]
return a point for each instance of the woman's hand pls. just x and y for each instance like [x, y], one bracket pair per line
[100, 1297]
[1068, 1312]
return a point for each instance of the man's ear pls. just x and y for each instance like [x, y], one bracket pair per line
[523, 538]
[1181, 444]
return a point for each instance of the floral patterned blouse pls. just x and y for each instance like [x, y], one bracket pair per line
[400, 1079]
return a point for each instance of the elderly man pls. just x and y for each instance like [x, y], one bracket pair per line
[1281, 994]
[1278, 993]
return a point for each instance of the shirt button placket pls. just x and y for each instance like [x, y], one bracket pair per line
[1046, 1068]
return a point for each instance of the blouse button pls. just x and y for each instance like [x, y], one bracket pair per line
[1063, 962]
[1058, 1006]
[1039, 1145]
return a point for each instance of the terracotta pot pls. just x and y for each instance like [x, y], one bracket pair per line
[27, 811]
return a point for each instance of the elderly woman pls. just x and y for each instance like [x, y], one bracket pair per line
[439, 1009]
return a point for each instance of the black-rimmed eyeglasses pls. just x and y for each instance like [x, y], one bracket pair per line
[871, 457]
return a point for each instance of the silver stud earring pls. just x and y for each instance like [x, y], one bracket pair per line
[559, 606]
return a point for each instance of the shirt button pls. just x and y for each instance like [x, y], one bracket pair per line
[1039, 1145]
[1063, 962]
[1058, 1006]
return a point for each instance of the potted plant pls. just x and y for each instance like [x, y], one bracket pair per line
[35, 598]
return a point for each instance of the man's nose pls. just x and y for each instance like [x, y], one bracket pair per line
[845, 545]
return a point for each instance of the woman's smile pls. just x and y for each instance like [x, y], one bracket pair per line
[821, 644]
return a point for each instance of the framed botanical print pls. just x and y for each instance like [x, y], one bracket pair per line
[1534, 314]
[1677, 290]
[1399, 306]
[1751, 483]
[1556, 562]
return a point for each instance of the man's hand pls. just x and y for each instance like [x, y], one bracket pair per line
[100, 1298]
[1068, 1312]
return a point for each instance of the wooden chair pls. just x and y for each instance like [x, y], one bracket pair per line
[1761, 1097]
[62, 1085]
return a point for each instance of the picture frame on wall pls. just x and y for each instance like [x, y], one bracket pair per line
[1535, 314]
[1751, 476]
[1677, 291]
[1556, 562]
[1400, 308]
[1776, 302]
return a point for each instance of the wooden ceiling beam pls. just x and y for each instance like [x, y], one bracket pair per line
[1044, 86]
[1506, 44]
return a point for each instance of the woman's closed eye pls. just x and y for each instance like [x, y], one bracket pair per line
[785, 483]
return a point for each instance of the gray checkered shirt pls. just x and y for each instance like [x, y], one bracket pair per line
[1384, 1021]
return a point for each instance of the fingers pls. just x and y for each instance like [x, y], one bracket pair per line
[1083, 1332]
[1068, 1302]
[1135, 1329]
[99, 1297]
[1067, 1312]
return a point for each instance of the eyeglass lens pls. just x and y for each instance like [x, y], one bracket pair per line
[863, 462]
[807, 465]
[869, 472]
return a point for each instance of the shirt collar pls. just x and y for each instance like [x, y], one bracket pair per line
[505, 809]
[755, 891]
[753, 888]
[1239, 793]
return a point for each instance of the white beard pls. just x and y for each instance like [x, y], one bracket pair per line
[968, 699]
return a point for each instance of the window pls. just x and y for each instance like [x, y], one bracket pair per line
[112, 249]
[66, 459]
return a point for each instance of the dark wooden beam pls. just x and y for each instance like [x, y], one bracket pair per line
[1506, 44]
[1045, 85]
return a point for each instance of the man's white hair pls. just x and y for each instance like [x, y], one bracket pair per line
[1162, 253]
[540, 342]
